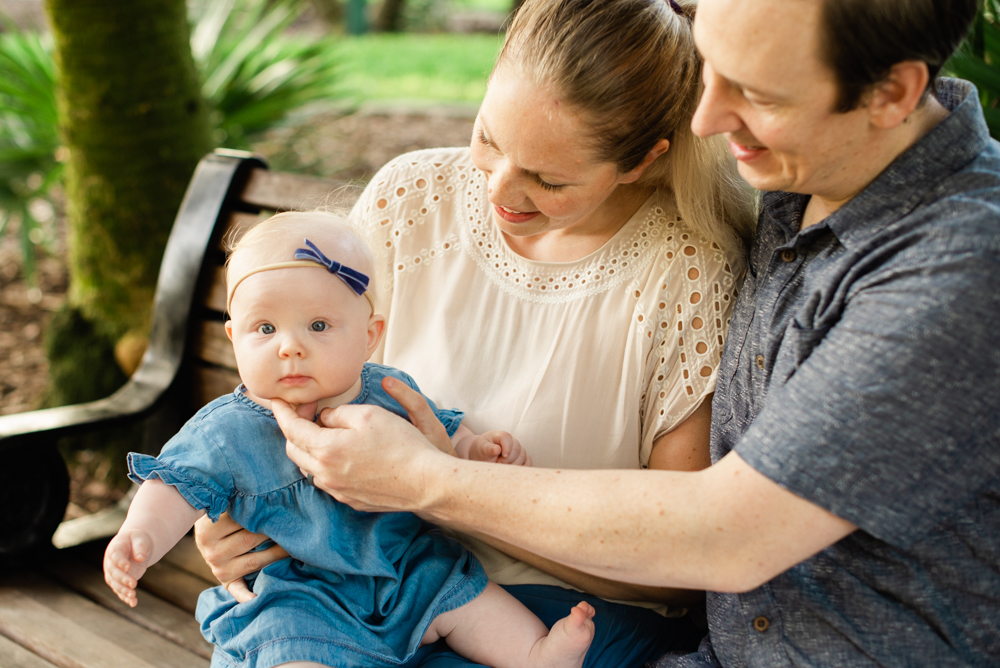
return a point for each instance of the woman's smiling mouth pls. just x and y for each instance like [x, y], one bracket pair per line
[514, 216]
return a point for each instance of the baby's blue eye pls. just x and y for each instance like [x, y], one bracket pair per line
[266, 328]
[318, 326]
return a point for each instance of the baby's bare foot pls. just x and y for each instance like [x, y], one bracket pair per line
[568, 641]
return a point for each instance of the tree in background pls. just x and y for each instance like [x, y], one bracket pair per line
[135, 125]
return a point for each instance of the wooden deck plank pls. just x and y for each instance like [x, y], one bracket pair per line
[13, 655]
[152, 613]
[71, 631]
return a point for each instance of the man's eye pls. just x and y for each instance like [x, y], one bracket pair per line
[318, 326]
[266, 328]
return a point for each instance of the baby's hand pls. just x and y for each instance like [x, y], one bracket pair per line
[124, 563]
[500, 447]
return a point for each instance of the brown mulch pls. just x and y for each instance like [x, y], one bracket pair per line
[345, 147]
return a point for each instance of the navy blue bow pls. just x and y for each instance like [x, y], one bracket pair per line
[355, 280]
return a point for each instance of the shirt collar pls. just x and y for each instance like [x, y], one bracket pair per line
[949, 146]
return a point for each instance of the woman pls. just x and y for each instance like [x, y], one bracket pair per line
[569, 277]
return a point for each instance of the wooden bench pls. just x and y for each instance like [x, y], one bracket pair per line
[54, 606]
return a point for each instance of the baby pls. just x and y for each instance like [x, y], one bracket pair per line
[360, 589]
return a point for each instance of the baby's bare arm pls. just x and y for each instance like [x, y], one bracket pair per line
[158, 517]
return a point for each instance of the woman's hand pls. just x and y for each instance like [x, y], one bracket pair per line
[225, 546]
[363, 455]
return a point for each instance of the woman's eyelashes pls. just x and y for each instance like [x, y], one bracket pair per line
[546, 185]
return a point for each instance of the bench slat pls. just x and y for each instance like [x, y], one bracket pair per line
[211, 383]
[174, 584]
[73, 632]
[214, 297]
[152, 612]
[286, 192]
[12, 654]
[185, 555]
[237, 225]
[212, 345]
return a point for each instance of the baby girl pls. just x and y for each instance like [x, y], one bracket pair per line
[359, 589]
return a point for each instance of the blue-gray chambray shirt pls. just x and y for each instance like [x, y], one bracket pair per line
[862, 373]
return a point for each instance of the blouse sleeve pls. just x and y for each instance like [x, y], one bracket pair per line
[687, 311]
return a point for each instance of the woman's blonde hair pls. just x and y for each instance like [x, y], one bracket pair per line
[631, 68]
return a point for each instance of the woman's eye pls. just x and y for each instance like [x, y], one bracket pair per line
[266, 328]
[548, 186]
[318, 326]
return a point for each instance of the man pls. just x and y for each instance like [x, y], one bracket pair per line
[853, 510]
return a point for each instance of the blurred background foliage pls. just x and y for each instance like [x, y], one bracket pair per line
[978, 60]
[263, 64]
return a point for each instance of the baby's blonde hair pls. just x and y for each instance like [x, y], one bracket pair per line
[277, 238]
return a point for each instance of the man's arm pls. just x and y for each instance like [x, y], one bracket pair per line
[727, 528]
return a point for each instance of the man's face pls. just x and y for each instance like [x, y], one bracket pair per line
[769, 94]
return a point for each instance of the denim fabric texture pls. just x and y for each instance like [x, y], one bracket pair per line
[626, 636]
[862, 373]
[360, 588]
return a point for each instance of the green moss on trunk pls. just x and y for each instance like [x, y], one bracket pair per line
[135, 124]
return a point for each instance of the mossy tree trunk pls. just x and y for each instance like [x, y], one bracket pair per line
[135, 124]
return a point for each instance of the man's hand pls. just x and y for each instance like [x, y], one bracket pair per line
[363, 455]
[225, 546]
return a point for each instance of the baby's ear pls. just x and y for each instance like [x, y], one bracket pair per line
[229, 329]
[376, 327]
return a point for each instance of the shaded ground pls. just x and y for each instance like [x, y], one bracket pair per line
[345, 147]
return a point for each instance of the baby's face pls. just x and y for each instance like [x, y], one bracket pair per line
[300, 334]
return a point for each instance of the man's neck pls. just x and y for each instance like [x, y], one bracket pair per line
[895, 143]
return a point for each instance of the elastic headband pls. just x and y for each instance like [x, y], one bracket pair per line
[311, 257]
[677, 8]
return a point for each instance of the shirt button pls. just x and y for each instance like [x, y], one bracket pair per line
[761, 624]
[788, 255]
[760, 361]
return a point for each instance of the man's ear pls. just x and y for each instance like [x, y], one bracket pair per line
[894, 99]
[376, 327]
[658, 149]
[229, 329]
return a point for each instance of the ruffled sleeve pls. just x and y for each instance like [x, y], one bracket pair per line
[194, 463]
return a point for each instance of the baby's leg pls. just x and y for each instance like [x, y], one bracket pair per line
[497, 630]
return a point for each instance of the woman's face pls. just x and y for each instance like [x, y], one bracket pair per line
[543, 175]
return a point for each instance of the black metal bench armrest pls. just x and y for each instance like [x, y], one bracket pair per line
[179, 272]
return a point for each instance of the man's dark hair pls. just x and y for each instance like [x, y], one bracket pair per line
[860, 40]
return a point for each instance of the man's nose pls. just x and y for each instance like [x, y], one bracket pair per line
[715, 114]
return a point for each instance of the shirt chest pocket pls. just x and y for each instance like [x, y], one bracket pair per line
[797, 345]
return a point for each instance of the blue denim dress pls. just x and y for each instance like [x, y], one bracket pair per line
[360, 589]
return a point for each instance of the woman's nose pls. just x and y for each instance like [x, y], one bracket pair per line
[504, 188]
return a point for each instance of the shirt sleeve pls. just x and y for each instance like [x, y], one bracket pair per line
[891, 419]
[688, 318]
[191, 464]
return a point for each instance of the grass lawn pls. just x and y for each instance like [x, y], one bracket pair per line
[419, 67]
